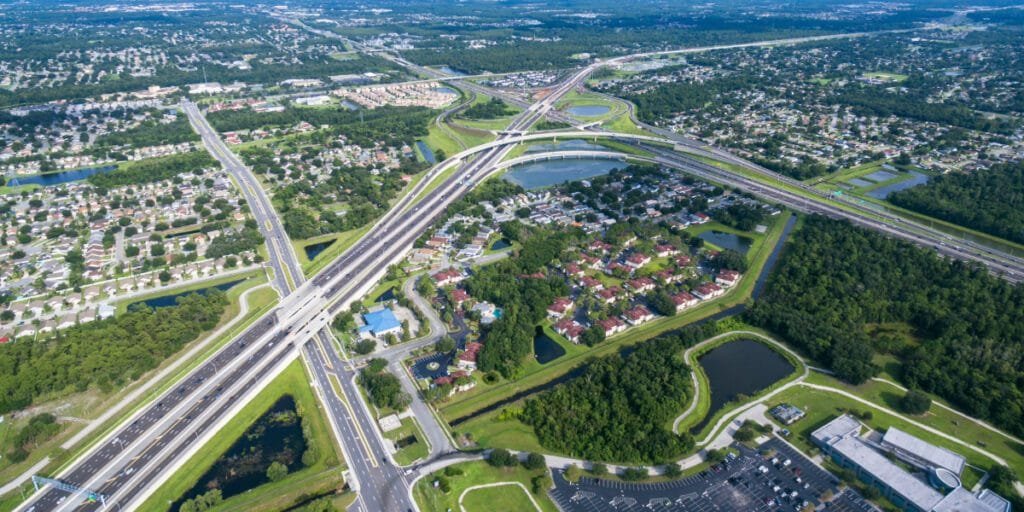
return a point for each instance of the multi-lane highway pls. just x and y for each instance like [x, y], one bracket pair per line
[128, 464]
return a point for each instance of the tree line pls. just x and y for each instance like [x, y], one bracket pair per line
[153, 169]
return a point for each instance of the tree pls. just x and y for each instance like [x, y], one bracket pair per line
[572, 473]
[541, 483]
[445, 345]
[634, 474]
[534, 461]
[277, 471]
[366, 346]
[715, 456]
[592, 336]
[501, 457]
[672, 470]
[599, 469]
[443, 484]
[915, 402]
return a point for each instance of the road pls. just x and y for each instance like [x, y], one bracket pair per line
[127, 465]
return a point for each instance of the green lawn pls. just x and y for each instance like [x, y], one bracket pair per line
[505, 498]
[413, 452]
[292, 381]
[430, 499]
[251, 277]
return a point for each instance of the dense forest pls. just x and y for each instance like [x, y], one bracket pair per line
[617, 410]
[989, 200]
[106, 353]
[150, 133]
[492, 109]
[843, 294]
[153, 169]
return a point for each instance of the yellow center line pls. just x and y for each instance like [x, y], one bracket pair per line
[336, 384]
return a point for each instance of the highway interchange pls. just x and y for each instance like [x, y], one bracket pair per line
[130, 463]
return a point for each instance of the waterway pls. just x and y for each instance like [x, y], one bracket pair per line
[740, 244]
[165, 301]
[427, 153]
[589, 110]
[565, 145]
[276, 436]
[741, 367]
[549, 173]
[314, 250]
[738, 309]
[58, 178]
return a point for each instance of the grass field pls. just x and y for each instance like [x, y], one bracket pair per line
[292, 381]
[431, 499]
[257, 274]
[414, 451]
[504, 498]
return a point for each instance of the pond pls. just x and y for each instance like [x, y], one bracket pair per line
[545, 348]
[740, 244]
[450, 71]
[554, 172]
[165, 301]
[589, 110]
[740, 367]
[346, 104]
[427, 153]
[504, 243]
[915, 179]
[386, 295]
[58, 178]
[314, 250]
[276, 436]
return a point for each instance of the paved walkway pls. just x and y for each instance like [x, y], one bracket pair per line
[22, 478]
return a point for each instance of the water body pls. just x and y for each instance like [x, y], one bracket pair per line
[740, 367]
[165, 301]
[450, 71]
[769, 264]
[915, 179]
[277, 435]
[880, 176]
[448, 90]
[566, 145]
[545, 348]
[554, 172]
[427, 153]
[58, 178]
[180, 234]
[589, 110]
[501, 244]
[346, 104]
[740, 244]
[386, 296]
[314, 250]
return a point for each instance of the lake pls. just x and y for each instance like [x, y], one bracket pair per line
[740, 367]
[427, 153]
[740, 244]
[58, 178]
[554, 172]
[165, 301]
[915, 179]
[314, 250]
[589, 110]
[545, 348]
[501, 244]
[276, 436]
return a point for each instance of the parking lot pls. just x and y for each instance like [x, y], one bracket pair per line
[784, 481]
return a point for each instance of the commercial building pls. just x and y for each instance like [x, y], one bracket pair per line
[380, 323]
[933, 486]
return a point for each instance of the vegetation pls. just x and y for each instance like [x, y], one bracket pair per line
[393, 126]
[40, 428]
[618, 409]
[150, 133]
[383, 388]
[243, 240]
[915, 402]
[990, 200]
[835, 281]
[106, 353]
[153, 169]
[492, 109]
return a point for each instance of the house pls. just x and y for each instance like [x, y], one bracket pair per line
[728, 278]
[488, 312]
[459, 296]
[460, 381]
[638, 315]
[637, 260]
[683, 261]
[591, 284]
[570, 329]
[607, 296]
[708, 291]
[641, 285]
[380, 323]
[612, 326]
[683, 300]
[448, 277]
[467, 359]
[560, 307]
[573, 270]
[663, 250]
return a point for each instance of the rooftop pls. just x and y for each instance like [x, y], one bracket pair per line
[914, 490]
[922, 451]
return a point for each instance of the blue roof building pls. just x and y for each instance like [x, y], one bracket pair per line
[381, 323]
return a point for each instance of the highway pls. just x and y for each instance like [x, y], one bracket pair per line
[131, 462]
